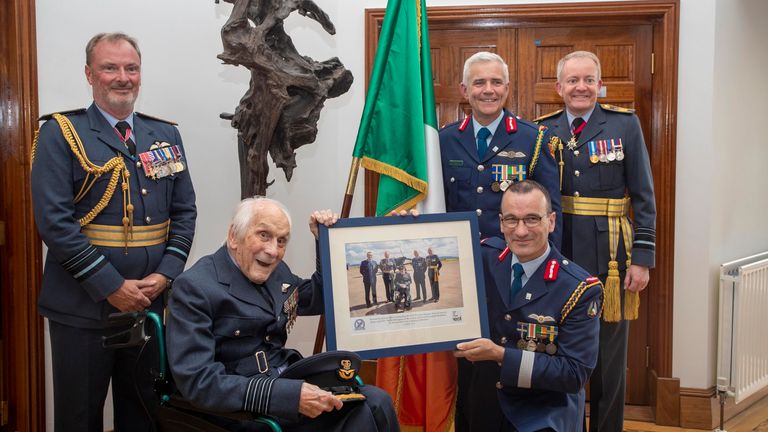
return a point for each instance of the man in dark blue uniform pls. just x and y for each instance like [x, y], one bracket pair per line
[402, 289]
[605, 170]
[419, 265]
[228, 321]
[368, 269]
[487, 151]
[543, 311]
[118, 229]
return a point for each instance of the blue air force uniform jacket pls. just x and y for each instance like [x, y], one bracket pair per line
[468, 179]
[537, 390]
[78, 277]
[585, 238]
[218, 320]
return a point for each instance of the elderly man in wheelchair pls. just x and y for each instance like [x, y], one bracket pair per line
[228, 319]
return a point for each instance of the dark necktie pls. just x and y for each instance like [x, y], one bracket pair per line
[125, 134]
[482, 145]
[577, 126]
[517, 281]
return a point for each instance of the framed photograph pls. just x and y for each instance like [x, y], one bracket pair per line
[400, 285]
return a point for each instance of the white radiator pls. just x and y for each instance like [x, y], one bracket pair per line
[743, 329]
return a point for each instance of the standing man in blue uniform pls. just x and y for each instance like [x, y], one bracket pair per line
[434, 265]
[368, 269]
[419, 265]
[387, 266]
[228, 322]
[543, 311]
[604, 170]
[118, 227]
[487, 151]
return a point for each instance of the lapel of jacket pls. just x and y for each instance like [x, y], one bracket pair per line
[534, 287]
[144, 134]
[104, 132]
[468, 141]
[594, 126]
[229, 275]
[502, 278]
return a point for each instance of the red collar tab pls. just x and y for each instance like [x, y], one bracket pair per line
[511, 124]
[550, 273]
[592, 279]
[503, 254]
[464, 123]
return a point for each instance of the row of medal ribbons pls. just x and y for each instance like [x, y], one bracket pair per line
[607, 150]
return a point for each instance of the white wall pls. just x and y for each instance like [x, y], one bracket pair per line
[721, 101]
[721, 176]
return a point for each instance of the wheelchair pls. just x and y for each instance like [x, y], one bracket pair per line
[174, 413]
[401, 297]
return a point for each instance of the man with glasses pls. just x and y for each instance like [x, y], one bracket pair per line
[605, 168]
[543, 311]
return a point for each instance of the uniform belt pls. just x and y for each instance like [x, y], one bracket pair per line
[583, 206]
[139, 236]
[616, 210]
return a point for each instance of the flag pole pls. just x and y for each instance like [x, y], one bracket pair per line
[346, 208]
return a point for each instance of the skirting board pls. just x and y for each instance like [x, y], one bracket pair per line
[700, 408]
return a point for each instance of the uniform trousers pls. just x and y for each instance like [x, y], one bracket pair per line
[607, 384]
[82, 370]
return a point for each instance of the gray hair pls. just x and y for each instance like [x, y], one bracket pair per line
[576, 55]
[245, 212]
[112, 38]
[484, 57]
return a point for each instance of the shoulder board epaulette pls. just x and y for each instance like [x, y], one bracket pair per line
[617, 109]
[156, 118]
[47, 117]
[546, 116]
[494, 242]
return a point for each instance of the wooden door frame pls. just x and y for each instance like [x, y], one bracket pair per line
[21, 261]
[664, 16]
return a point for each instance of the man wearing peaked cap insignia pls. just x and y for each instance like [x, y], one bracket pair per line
[228, 321]
[480, 150]
[117, 234]
[530, 375]
[605, 169]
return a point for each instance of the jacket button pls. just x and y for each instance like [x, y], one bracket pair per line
[237, 332]
[479, 189]
[143, 191]
[575, 152]
[507, 317]
[479, 212]
[148, 219]
[267, 338]
[480, 167]
[576, 194]
[503, 340]
[499, 385]
[453, 179]
[576, 173]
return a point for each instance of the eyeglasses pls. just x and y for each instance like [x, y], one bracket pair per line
[529, 221]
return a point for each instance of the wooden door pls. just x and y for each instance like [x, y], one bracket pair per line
[625, 57]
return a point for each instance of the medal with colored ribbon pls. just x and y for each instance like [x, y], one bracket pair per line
[573, 141]
[593, 155]
[619, 150]
[611, 151]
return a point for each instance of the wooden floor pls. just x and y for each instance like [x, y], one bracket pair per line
[754, 419]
